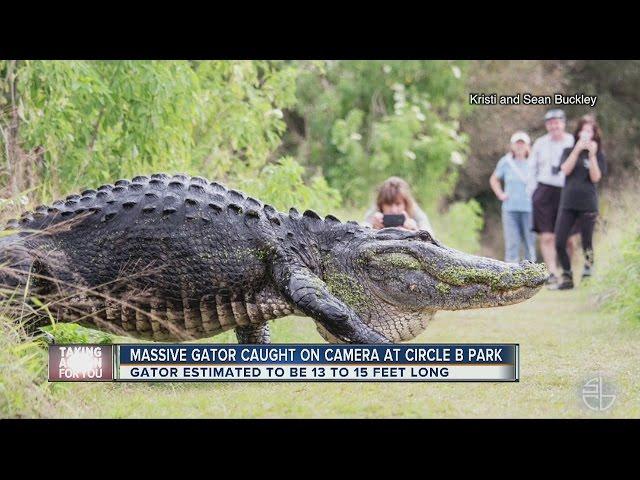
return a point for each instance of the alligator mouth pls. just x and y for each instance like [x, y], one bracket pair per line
[508, 297]
[483, 296]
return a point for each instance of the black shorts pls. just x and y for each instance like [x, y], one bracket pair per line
[546, 201]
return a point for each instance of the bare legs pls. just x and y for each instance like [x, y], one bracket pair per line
[548, 249]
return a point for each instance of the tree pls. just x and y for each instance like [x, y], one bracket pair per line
[362, 121]
[93, 121]
[359, 122]
[489, 128]
[617, 86]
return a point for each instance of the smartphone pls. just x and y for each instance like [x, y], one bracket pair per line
[393, 220]
[585, 137]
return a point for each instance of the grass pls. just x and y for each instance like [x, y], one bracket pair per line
[619, 266]
[564, 342]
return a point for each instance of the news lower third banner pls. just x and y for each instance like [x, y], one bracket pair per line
[284, 362]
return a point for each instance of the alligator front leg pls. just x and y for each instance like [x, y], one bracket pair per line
[310, 294]
[254, 334]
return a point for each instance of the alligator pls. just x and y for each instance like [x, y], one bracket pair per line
[175, 258]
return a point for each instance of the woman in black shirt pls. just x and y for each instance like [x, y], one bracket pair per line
[583, 166]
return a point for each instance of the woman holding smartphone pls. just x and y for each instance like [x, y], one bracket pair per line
[396, 207]
[583, 166]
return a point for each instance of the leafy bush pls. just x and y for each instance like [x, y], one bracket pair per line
[363, 121]
[281, 184]
[75, 124]
[626, 299]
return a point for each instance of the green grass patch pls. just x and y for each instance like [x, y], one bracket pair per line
[617, 275]
[564, 341]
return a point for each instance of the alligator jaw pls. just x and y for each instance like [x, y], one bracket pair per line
[479, 282]
[481, 296]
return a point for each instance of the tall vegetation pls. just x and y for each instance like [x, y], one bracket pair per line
[69, 124]
[360, 122]
[314, 134]
[617, 280]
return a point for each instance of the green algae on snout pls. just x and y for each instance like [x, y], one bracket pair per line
[443, 288]
[467, 275]
[460, 276]
[479, 296]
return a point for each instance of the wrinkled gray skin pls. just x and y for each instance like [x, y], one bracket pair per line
[177, 258]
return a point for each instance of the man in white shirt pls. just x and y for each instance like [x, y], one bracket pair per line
[546, 181]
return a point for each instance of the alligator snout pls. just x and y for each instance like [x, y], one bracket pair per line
[472, 270]
[510, 276]
[538, 273]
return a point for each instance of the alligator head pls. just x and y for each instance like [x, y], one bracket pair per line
[397, 279]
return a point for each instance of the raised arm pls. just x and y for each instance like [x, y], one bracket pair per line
[373, 218]
[595, 174]
[568, 162]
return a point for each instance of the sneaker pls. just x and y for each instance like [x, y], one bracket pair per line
[552, 280]
[587, 272]
[566, 281]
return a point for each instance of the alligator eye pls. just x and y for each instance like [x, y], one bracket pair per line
[425, 236]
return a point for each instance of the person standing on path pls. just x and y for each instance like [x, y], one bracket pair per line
[512, 169]
[583, 166]
[546, 180]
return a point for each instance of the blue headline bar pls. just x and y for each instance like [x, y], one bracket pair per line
[167, 354]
